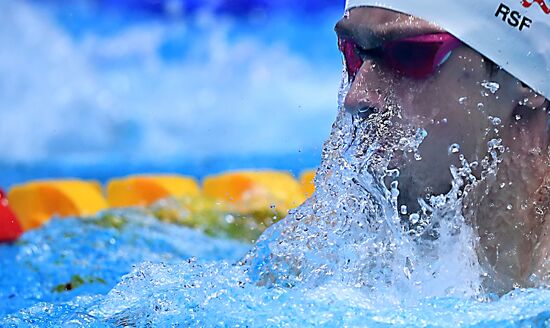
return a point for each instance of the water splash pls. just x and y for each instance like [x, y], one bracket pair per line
[351, 231]
[217, 294]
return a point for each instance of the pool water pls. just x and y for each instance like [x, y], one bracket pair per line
[144, 274]
[72, 257]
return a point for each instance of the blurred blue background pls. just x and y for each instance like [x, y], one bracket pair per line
[103, 88]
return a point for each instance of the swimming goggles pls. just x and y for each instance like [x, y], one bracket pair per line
[416, 57]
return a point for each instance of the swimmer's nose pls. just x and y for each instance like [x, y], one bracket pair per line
[366, 94]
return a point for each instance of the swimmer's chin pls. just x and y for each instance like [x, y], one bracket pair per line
[414, 185]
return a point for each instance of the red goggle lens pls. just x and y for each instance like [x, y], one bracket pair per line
[416, 57]
[352, 59]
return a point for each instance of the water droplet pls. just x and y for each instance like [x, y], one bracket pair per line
[509, 207]
[394, 174]
[491, 86]
[407, 272]
[518, 117]
[422, 133]
[462, 100]
[454, 148]
[229, 218]
[495, 120]
[414, 218]
[403, 209]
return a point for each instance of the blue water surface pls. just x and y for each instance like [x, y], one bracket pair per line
[144, 273]
[97, 251]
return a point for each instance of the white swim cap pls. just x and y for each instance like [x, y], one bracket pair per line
[515, 34]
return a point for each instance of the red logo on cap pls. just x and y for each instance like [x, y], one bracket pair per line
[542, 4]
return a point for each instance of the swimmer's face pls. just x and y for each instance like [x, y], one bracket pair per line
[455, 104]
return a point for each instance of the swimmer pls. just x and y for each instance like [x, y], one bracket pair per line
[466, 92]
[463, 72]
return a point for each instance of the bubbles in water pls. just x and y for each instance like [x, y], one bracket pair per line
[462, 100]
